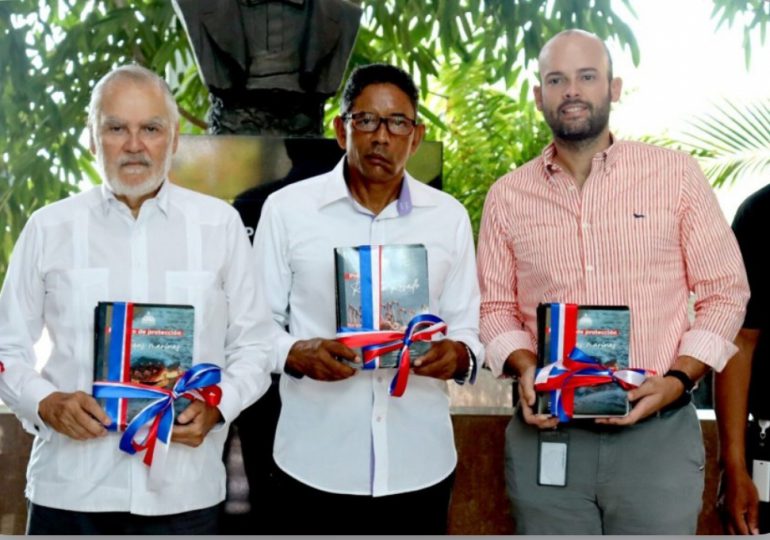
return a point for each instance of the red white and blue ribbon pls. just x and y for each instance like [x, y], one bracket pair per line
[575, 369]
[119, 359]
[374, 342]
[155, 422]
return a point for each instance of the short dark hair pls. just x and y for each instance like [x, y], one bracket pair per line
[363, 76]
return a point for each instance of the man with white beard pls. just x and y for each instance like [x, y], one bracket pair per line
[136, 238]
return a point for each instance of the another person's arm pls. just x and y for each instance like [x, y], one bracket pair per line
[731, 387]
[731, 391]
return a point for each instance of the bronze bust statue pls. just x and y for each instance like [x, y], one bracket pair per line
[270, 65]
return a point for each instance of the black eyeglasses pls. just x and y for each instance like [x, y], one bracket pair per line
[368, 122]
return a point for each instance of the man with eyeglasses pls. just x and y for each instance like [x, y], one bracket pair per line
[355, 460]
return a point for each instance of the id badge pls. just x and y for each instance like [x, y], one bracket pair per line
[552, 458]
[760, 473]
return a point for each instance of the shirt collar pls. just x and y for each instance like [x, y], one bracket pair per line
[161, 198]
[607, 157]
[337, 189]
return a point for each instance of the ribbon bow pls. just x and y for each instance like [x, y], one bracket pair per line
[375, 343]
[197, 383]
[580, 370]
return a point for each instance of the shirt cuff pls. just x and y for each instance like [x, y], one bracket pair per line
[35, 391]
[283, 345]
[229, 405]
[498, 350]
[707, 347]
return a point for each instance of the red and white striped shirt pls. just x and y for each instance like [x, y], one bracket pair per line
[644, 231]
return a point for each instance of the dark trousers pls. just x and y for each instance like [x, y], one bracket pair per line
[45, 520]
[311, 511]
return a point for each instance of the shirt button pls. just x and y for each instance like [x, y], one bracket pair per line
[379, 418]
[379, 379]
[589, 268]
[572, 188]
[586, 225]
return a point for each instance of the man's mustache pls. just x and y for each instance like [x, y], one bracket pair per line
[135, 160]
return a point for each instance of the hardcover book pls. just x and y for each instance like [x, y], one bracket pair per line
[382, 288]
[147, 344]
[602, 332]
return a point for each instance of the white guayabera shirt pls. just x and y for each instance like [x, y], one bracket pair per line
[184, 248]
[350, 436]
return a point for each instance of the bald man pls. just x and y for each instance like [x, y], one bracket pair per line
[599, 221]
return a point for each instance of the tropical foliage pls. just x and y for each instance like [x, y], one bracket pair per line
[732, 141]
[753, 15]
[472, 57]
[469, 55]
[51, 54]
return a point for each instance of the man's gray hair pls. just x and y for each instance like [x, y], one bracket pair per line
[132, 72]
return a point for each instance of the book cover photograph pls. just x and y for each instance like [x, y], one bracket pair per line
[147, 344]
[601, 332]
[382, 288]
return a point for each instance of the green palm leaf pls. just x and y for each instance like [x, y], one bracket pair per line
[732, 141]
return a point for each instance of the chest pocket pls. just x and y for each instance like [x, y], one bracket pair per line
[195, 288]
[75, 293]
[71, 296]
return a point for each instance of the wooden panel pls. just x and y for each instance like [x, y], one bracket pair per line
[15, 445]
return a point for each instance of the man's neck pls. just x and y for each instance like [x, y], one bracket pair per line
[374, 196]
[576, 157]
[135, 203]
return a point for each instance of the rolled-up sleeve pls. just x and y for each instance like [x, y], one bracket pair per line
[502, 324]
[715, 273]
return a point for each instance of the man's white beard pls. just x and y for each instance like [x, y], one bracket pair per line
[134, 191]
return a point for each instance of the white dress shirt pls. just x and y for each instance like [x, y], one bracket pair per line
[350, 436]
[183, 248]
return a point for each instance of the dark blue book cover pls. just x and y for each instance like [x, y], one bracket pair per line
[599, 331]
[382, 288]
[147, 344]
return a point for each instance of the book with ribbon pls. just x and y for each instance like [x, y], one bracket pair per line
[146, 345]
[583, 361]
[383, 306]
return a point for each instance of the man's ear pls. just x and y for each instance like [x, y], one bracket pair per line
[340, 132]
[616, 87]
[417, 136]
[538, 93]
[91, 140]
[175, 143]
